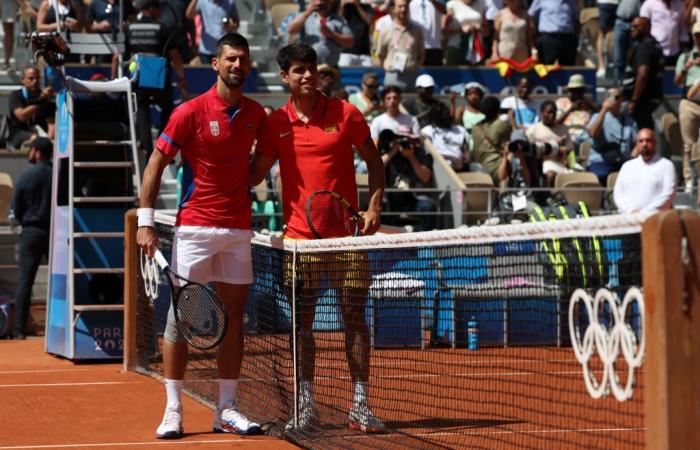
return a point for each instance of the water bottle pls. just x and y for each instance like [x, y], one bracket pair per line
[472, 334]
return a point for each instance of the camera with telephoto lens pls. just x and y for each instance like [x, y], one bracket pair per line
[405, 143]
[519, 143]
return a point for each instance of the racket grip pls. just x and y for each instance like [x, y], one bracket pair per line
[160, 259]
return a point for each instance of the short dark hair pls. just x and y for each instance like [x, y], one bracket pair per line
[295, 52]
[232, 40]
[389, 89]
[43, 145]
[547, 104]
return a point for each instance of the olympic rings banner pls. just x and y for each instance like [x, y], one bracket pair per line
[608, 342]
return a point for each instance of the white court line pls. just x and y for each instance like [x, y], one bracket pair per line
[58, 370]
[97, 383]
[486, 433]
[127, 444]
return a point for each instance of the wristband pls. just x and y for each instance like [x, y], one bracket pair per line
[146, 217]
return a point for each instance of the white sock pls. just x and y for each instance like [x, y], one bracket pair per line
[227, 392]
[360, 393]
[173, 390]
[305, 394]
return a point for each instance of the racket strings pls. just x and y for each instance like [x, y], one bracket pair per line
[201, 316]
[330, 217]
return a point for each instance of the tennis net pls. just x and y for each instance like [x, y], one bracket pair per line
[469, 337]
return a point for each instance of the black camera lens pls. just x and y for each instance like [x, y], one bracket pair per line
[405, 143]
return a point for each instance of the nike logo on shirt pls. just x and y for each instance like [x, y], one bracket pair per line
[285, 133]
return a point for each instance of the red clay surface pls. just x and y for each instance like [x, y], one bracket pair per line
[51, 403]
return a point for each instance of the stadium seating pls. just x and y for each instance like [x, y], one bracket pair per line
[610, 187]
[5, 195]
[478, 198]
[570, 186]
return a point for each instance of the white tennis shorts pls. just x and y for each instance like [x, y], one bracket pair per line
[207, 254]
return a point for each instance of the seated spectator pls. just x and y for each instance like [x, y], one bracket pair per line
[407, 168]
[32, 109]
[687, 74]
[360, 17]
[464, 25]
[575, 111]
[448, 139]
[522, 110]
[218, 17]
[393, 119]
[471, 114]
[367, 99]
[613, 131]
[513, 33]
[400, 48]
[69, 14]
[421, 105]
[646, 183]
[491, 137]
[548, 131]
[327, 79]
[322, 28]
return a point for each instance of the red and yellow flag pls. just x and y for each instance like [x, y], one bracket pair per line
[506, 66]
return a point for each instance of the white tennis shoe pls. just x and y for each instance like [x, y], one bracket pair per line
[171, 426]
[363, 419]
[229, 420]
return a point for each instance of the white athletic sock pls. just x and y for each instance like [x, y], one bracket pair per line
[227, 392]
[305, 394]
[360, 393]
[173, 390]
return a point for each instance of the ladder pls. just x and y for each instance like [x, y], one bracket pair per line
[98, 179]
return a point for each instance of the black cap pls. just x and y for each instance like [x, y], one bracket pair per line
[490, 106]
[44, 145]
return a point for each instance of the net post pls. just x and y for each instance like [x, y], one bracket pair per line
[130, 289]
[672, 366]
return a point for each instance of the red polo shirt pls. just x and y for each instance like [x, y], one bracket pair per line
[313, 156]
[215, 140]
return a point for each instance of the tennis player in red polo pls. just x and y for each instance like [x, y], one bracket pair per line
[313, 137]
[214, 134]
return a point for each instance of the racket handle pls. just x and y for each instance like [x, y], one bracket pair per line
[160, 259]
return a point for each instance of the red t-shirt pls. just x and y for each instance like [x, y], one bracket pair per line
[215, 140]
[313, 157]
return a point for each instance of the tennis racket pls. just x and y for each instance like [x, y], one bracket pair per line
[199, 312]
[329, 215]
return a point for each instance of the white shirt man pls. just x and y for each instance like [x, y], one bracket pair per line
[427, 16]
[646, 183]
[393, 119]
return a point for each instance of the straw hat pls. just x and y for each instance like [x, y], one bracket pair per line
[576, 81]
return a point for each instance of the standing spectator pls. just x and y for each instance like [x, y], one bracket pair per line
[32, 208]
[400, 49]
[32, 109]
[647, 64]
[420, 106]
[522, 110]
[687, 74]
[548, 131]
[327, 79]
[613, 131]
[667, 25]
[513, 33]
[607, 9]
[367, 100]
[646, 183]
[103, 15]
[622, 40]
[426, 14]
[174, 18]
[393, 119]
[9, 15]
[359, 17]
[492, 8]
[218, 18]
[557, 23]
[464, 25]
[322, 28]
[69, 15]
[491, 137]
[448, 139]
[575, 110]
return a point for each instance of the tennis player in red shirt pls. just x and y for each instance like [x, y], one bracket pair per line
[313, 137]
[214, 134]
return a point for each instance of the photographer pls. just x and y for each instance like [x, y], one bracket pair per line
[322, 28]
[518, 170]
[407, 168]
[555, 139]
[32, 109]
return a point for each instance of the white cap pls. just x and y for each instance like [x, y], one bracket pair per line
[425, 81]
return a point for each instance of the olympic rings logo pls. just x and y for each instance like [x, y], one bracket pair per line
[150, 275]
[607, 342]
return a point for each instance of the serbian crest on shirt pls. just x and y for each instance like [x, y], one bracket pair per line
[214, 127]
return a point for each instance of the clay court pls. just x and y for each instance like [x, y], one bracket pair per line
[52, 403]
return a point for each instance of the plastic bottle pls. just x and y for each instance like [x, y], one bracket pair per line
[472, 334]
